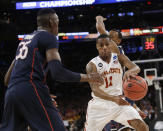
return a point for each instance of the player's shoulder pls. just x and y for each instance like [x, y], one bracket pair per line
[91, 67]
[92, 64]
[44, 34]
[47, 39]
[92, 61]
[95, 59]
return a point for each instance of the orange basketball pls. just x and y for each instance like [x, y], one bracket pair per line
[136, 88]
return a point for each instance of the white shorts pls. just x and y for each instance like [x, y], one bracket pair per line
[100, 112]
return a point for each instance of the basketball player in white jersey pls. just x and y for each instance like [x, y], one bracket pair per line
[107, 103]
[116, 36]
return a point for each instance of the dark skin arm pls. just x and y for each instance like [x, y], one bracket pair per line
[101, 29]
[7, 76]
[53, 54]
[133, 69]
[91, 68]
[100, 25]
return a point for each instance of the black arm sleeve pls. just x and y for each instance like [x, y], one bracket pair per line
[59, 73]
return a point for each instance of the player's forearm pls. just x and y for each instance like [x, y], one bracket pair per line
[114, 48]
[58, 72]
[135, 69]
[101, 94]
[135, 106]
[100, 26]
[8, 74]
[84, 77]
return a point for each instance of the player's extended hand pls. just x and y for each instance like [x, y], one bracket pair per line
[128, 74]
[142, 114]
[53, 100]
[120, 101]
[100, 18]
[95, 77]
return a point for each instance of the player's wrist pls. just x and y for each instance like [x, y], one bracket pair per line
[137, 109]
[112, 98]
[85, 77]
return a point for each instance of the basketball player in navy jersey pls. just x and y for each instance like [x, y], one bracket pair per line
[116, 36]
[27, 100]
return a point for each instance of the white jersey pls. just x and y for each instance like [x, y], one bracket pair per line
[100, 111]
[112, 74]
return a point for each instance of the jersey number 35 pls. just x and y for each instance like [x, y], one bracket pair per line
[23, 50]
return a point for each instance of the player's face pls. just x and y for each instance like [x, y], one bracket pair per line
[114, 36]
[103, 47]
[54, 22]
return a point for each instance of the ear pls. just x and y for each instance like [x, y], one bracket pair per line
[97, 46]
[50, 22]
[119, 41]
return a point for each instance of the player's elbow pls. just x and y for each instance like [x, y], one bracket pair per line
[137, 69]
[95, 91]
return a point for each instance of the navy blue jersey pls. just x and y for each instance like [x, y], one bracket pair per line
[121, 50]
[31, 57]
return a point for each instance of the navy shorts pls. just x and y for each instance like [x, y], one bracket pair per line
[113, 125]
[29, 104]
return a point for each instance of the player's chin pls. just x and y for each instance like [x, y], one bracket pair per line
[109, 52]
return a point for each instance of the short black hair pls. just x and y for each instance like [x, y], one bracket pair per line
[102, 36]
[119, 33]
[43, 16]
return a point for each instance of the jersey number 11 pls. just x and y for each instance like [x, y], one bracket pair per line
[108, 83]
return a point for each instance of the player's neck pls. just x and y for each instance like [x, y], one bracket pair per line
[106, 58]
[44, 28]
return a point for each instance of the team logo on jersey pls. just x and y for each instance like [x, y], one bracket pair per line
[115, 57]
[100, 65]
[115, 60]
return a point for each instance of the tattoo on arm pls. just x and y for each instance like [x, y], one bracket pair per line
[89, 68]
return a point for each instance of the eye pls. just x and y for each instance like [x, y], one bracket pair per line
[101, 44]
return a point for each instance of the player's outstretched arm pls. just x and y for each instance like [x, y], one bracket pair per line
[60, 73]
[100, 25]
[133, 69]
[91, 68]
[48, 46]
[8, 74]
